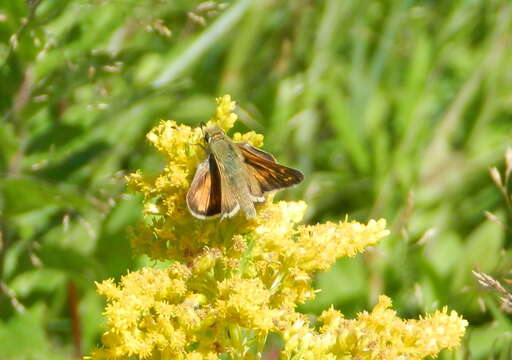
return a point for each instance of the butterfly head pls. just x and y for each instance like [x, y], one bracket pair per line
[212, 133]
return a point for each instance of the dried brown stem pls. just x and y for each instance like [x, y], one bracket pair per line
[75, 319]
[16, 304]
[488, 282]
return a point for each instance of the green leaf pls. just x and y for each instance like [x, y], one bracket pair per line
[481, 252]
[66, 259]
[37, 280]
[23, 337]
[340, 285]
[28, 194]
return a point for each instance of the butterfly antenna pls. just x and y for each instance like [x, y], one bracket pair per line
[202, 125]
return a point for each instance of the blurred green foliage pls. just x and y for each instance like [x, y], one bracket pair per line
[391, 108]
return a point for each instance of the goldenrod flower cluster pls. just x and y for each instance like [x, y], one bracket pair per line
[236, 281]
[376, 335]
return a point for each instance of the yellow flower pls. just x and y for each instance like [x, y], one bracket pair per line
[144, 314]
[224, 116]
[235, 281]
[379, 335]
[235, 306]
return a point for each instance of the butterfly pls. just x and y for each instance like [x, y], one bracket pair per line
[233, 177]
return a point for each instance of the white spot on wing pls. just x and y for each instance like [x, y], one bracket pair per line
[232, 212]
[201, 216]
[257, 198]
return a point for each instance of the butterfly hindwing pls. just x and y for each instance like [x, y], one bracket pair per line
[229, 202]
[268, 174]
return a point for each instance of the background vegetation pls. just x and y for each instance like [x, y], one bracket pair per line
[392, 108]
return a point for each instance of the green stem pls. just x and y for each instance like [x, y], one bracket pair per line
[236, 341]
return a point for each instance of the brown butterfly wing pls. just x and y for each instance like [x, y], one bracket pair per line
[204, 198]
[229, 202]
[268, 174]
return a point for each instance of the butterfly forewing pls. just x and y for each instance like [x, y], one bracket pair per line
[204, 198]
[269, 175]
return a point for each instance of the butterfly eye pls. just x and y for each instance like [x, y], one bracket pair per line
[207, 138]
